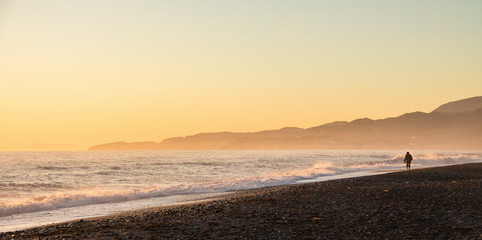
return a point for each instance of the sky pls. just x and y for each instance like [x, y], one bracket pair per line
[80, 73]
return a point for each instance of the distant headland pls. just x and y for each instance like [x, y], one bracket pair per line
[454, 125]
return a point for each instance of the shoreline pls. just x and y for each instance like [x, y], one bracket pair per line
[182, 199]
[176, 200]
[439, 202]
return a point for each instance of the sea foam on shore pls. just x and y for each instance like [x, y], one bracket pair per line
[431, 203]
[46, 187]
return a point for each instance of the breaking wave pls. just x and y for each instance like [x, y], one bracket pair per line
[97, 195]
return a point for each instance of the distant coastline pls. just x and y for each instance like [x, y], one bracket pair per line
[454, 125]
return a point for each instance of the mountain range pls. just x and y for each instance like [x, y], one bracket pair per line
[454, 125]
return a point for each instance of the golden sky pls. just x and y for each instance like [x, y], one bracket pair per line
[95, 71]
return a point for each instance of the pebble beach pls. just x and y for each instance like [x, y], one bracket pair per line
[430, 203]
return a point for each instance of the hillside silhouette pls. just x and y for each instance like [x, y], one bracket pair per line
[455, 125]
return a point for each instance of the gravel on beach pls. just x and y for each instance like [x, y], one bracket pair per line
[431, 203]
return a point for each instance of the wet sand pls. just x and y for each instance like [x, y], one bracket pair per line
[432, 203]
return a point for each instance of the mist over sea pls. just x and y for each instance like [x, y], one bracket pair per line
[38, 188]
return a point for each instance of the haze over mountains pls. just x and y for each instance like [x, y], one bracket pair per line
[454, 125]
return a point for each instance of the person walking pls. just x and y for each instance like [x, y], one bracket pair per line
[408, 160]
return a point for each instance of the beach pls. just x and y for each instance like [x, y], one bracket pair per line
[430, 203]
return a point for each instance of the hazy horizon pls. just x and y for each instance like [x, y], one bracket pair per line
[77, 74]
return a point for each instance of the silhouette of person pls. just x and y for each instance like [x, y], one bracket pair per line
[408, 160]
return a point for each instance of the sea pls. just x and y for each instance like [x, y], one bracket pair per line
[40, 188]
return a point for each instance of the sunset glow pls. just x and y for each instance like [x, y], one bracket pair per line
[78, 73]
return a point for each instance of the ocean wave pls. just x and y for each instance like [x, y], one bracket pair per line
[419, 161]
[34, 185]
[438, 159]
[50, 168]
[82, 197]
[105, 173]
[98, 196]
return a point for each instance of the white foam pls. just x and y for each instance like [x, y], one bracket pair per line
[39, 218]
[325, 168]
[317, 171]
